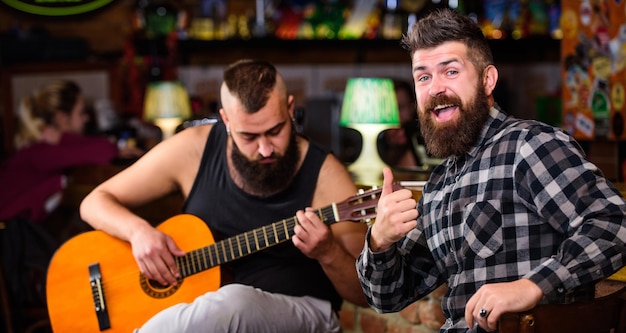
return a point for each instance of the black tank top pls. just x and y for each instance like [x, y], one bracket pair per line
[229, 211]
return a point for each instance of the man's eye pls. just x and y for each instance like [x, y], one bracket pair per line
[274, 132]
[248, 137]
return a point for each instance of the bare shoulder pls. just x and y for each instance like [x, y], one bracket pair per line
[334, 183]
[186, 145]
[196, 135]
[172, 164]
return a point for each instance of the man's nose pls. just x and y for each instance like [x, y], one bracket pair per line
[436, 87]
[265, 147]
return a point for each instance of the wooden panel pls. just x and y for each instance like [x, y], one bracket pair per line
[105, 30]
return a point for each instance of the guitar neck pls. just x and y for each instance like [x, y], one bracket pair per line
[247, 243]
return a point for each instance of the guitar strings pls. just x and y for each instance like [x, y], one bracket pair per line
[243, 244]
[236, 247]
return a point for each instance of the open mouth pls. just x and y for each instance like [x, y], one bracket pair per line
[444, 112]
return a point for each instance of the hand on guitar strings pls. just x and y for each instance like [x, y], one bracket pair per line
[154, 252]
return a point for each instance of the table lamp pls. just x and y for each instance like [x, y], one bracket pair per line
[369, 107]
[166, 105]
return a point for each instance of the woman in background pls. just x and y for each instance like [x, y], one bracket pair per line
[49, 141]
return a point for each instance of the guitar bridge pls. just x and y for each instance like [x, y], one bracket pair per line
[97, 292]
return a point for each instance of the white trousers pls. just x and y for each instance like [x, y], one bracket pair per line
[241, 308]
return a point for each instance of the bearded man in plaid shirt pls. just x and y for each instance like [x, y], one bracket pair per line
[513, 217]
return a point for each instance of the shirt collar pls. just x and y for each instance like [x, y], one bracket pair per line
[490, 128]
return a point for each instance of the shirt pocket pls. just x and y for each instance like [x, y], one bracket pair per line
[482, 235]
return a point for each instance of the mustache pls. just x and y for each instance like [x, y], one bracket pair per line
[260, 157]
[442, 99]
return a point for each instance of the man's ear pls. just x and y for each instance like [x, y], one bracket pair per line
[490, 78]
[291, 106]
[224, 117]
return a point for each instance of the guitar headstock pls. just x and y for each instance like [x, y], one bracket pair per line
[362, 206]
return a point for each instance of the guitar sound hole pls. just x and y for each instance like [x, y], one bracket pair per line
[154, 289]
[156, 285]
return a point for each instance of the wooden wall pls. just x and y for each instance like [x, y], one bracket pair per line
[106, 30]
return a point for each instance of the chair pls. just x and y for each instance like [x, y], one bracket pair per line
[601, 315]
[15, 319]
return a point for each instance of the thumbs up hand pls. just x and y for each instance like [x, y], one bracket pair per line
[396, 215]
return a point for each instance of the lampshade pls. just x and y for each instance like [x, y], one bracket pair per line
[167, 105]
[370, 107]
[370, 101]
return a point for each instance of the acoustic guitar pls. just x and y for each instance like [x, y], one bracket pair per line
[94, 284]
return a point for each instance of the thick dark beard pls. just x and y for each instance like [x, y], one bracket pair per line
[267, 179]
[456, 137]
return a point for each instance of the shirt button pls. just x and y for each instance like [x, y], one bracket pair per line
[598, 272]
[379, 262]
[560, 290]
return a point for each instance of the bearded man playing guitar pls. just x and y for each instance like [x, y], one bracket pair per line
[246, 171]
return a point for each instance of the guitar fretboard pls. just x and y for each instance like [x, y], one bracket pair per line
[244, 244]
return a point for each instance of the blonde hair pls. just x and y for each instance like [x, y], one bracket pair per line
[38, 110]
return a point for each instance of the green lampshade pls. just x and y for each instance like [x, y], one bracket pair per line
[166, 104]
[369, 101]
[370, 107]
[166, 99]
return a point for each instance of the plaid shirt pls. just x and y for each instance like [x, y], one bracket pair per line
[523, 203]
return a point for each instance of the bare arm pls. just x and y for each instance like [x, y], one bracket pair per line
[335, 248]
[168, 167]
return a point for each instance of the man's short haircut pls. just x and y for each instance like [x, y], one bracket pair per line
[447, 25]
[251, 82]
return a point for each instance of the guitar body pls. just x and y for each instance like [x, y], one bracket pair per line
[129, 299]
